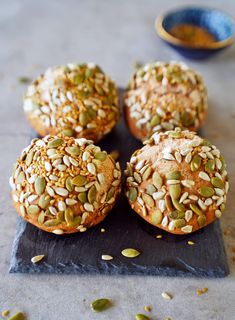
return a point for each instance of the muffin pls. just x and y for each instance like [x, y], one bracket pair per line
[177, 181]
[64, 185]
[75, 100]
[162, 96]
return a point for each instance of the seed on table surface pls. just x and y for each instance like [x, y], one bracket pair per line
[106, 257]
[5, 313]
[141, 316]
[18, 316]
[166, 295]
[130, 253]
[191, 243]
[40, 185]
[37, 258]
[157, 217]
[100, 304]
[206, 192]
[147, 308]
[157, 180]
[132, 194]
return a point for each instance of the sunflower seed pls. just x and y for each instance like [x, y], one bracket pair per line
[204, 176]
[188, 157]
[61, 206]
[62, 192]
[88, 207]
[70, 202]
[91, 168]
[55, 143]
[166, 296]
[106, 257]
[58, 231]
[188, 183]
[130, 253]
[29, 158]
[32, 198]
[188, 215]
[208, 202]
[178, 157]
[158, 195]
[218, 163]
[164, 221]
[218, 213]
[168, 156]
[183, 197]
[38, 258]
[219, 201]
[187, 229]
[193, 197]
[201, 204]
[140, 165]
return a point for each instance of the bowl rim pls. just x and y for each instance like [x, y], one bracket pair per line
[165, 35]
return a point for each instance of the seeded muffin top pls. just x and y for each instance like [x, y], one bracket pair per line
[177, 181]
[77, 100]
[162, 96]
[64, 185]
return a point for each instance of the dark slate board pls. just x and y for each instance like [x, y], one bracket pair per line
[81, 253]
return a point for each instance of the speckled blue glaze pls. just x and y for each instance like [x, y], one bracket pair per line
[218, 23]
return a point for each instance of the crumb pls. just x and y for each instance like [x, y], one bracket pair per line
[24, 80]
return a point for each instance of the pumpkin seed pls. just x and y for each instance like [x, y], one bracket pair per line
[147, 173]
[100, 304]
[140, 316]
[69, 185]
[132, 194]
[175, 191]
[201, 220]
[40, 185]
[74, 151]
[179, 223]
[130, 253]
[92, 194]
[148, 200]
[76, 221]
[38, 258]
[195, 163]
[168, 203]
[100, 155]
[60, 216]
[155, 120]
[177, 205]
[68, 215]
[173, 175]
[84, 118]
[51, 223]
[79, 181]
[187, 119]
[156, 217]
[18, 316]
[206, 191]
[20, 178]
[44, 201]
[67, 132]
[195, 209]
[5, 313]
[137, 177]
[210, 166]
[29, 158]
[82, 197]
[151, 189]
[33, 209]
[41, 217]
[55, 143]
[157, 180]
[110, 194]
[175, 134]
[217, 182]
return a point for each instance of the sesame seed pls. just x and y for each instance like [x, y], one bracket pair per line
[166, 296]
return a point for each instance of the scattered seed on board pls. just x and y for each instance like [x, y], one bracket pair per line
[106, 257]
[159, 236]
[191, 243]
[147, 308]
[102, 230]
[18, 316]
[141, 316]
[166, 296]
[38, 258]
[100, 304]
[5, 313]
[130, 253]
[201, 291]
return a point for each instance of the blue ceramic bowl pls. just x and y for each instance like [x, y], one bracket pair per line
[218, 23]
